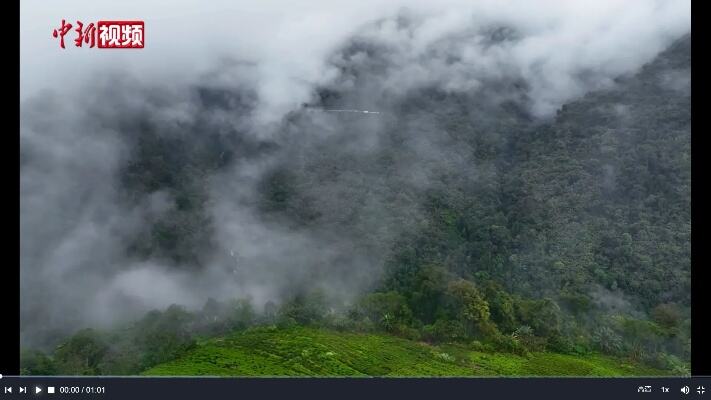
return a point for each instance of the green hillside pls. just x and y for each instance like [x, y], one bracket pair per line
[317, 352]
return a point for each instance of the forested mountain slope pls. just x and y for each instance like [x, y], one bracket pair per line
[448, 217]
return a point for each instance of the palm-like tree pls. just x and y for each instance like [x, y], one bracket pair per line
[387, 321]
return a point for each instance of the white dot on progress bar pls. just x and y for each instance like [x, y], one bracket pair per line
[50, 389]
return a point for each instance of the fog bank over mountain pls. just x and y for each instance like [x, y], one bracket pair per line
[208, 164]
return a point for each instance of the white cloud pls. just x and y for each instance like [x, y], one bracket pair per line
[289, 42]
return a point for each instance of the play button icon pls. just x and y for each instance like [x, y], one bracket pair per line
[37, 389]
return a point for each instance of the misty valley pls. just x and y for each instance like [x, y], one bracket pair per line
[442, 228]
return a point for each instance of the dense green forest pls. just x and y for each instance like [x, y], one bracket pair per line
[566, 238]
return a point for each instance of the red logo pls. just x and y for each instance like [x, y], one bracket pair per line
[104, 34]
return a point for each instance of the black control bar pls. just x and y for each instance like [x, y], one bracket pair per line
[31, 387]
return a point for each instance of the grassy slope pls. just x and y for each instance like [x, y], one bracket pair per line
[313, 352]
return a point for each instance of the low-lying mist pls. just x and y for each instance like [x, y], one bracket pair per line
[233, 180]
